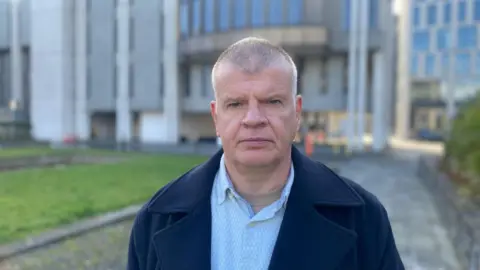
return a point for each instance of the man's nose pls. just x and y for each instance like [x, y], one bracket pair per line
[254, 116]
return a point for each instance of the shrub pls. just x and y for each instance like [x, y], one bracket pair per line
[462, 148]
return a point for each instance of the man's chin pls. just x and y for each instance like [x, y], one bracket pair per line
[256, 158]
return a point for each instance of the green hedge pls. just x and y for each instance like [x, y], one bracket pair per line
[462, 149]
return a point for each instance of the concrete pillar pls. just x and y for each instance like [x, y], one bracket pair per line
[51, 58]
[403, 108]
[123, 114]
[17, 102]
[362, 71]
[388, 22]
[352, 74]
[82, 117]
[379, 105]
[171, 107]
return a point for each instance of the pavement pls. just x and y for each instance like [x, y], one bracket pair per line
[421, 239]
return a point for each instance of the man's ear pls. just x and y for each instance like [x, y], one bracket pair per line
[298, 109]
[213, 113]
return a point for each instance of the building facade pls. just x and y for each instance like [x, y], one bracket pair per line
[140, 70]
[444, 62]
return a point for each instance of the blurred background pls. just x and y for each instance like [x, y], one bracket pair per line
[87, 87]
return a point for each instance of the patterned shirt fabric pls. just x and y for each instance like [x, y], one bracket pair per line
[241, 239]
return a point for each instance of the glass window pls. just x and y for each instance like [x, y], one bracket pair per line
[443, 39]
[421, 41]
[477, 63]
[414, 65]
[373, 20]
[447, 13]
[462, 11]
[416, 17]
[209, 16]
[160, 77]
[258, 13]
[131, 33]
[346, 14]
[185, 75]
[240, 13]
[462, 64]
[295, 11]
[432, 14]
[224, 14]
[275, 12]
[430, 65]
[131, 80]
[184, 19]
[197, 12]
[445, 63]
[89, 83]
[476, 10]
[206, 80]
[467, 37]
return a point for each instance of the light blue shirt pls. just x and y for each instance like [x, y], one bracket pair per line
[242, 239]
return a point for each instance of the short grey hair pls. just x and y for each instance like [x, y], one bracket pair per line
[252, 55]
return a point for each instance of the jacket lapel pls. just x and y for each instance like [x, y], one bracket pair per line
[186, 244]
[308, 239]
[185, 241]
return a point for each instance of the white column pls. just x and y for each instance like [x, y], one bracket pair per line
[82, 118]
[379, 104]
[390, 34]
[123, 115]
[352, 74]
[171, 99]
[403, 106]
[51, 46]
[16, 58]
[362, 71]
[451, 70]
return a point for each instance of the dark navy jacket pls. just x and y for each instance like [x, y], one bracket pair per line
[329, 223]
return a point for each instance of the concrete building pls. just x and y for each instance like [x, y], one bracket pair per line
[140, 70]
[441, 67]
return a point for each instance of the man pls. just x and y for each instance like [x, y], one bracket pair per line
[259, 203]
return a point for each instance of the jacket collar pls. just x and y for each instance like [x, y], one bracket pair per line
[308, 239]
[318, 186]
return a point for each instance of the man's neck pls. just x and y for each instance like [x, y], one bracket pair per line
[259, 186]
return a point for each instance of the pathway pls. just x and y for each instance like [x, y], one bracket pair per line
[421, 239]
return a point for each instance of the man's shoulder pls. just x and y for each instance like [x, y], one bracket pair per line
[174, 186]
[147, 215]
[371, 218]
[370, 200]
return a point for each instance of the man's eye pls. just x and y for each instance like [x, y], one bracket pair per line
[234, 104]
[275, 101]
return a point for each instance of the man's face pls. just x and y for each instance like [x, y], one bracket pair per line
[255, 115]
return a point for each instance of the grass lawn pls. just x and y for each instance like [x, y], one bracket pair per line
[40, 151]
[28, 151]
[34, 200]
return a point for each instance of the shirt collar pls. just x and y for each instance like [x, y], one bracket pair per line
[224, 186]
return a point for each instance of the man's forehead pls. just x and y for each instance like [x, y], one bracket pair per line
[227, 69]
